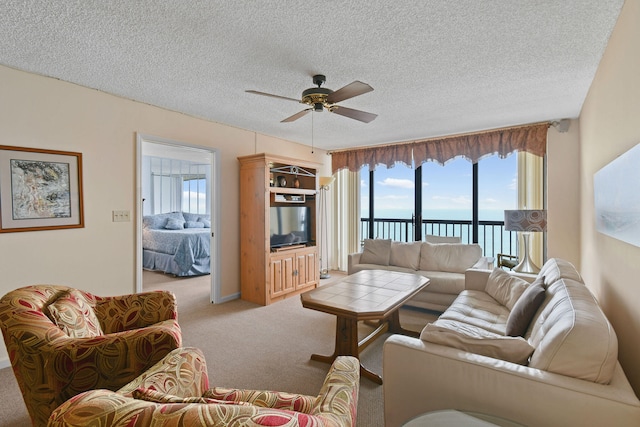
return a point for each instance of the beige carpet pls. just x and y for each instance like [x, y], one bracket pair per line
[251, 346]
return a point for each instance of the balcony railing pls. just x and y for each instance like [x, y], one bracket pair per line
[492, 237]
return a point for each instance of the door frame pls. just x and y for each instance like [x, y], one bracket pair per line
[214, 295]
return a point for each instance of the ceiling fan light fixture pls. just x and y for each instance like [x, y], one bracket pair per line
[318, 106]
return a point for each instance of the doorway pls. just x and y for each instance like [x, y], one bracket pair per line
[176, 176]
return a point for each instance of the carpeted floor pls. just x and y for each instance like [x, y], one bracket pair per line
[251, 346]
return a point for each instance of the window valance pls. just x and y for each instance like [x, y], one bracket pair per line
[473, 147]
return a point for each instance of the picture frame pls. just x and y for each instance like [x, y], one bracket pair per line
[40, 189]
[617, 199]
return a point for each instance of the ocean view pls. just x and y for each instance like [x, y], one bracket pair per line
[493, 239]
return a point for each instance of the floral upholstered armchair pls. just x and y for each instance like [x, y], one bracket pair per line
[175, 393]
[62, 341]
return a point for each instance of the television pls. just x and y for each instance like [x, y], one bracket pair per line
[290, 225]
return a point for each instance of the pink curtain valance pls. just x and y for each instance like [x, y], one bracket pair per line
[473, 147]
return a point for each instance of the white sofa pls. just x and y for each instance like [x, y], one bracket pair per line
[571, 378]
[444, 260]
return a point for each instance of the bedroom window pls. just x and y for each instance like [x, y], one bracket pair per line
[194, 194]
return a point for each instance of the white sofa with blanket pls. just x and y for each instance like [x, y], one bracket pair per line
[539, 354]
[444, 260]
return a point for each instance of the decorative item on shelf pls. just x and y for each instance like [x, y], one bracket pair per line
[526, 221]
[271, 180]
[282, 181]
[325, 182]
[296, 182]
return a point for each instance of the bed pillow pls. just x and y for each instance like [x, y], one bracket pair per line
[74, 315]
[193, 224]
[159, 221]
[525, 308]
[188, 216]
[206, 222]
[376, 251]
[174, 224]
[505, 288]
[479, 341]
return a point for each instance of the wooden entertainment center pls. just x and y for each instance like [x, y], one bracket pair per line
[275, 266]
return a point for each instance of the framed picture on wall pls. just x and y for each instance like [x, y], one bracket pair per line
[40, 189]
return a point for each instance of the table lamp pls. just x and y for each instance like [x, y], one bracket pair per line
[526, 221]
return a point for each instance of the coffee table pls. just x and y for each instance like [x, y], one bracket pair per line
[368, 295]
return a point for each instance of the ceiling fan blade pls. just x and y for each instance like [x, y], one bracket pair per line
[255, 92]
[349, 91]
[296, 116]
[362, 116]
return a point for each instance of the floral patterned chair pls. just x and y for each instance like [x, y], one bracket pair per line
[175, 393]
[62, 341]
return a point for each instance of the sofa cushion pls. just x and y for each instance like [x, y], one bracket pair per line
[479, 309]
[571, 323]
[71, 313]
[451, 257]
[376, 251]
[505, 288]
[525, 308]
[441, 239]
[556, 269]
[477, 340]
[443, 282]
[405, 254]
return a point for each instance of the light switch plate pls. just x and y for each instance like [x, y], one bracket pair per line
[121, 216]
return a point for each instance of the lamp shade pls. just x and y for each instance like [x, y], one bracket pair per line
[325, 181]
[525, 220]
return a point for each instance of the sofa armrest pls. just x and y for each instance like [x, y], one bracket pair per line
[338, 397]
[353, 260]
[182, 372]
[476, 279]
[264, 398]
[484, 263]
[135, 311]
[470, 382]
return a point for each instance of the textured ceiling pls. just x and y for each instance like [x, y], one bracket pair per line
[437, 67]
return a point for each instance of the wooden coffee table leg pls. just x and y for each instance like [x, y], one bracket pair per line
[396, 328]
[347, 345]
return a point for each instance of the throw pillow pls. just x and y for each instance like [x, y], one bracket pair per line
[193, 224]
[74, 315]
[478, 341]
[505, 288]
[525, 308]
[174, 224]
[376, 251]
[206, 222]
[405, 254]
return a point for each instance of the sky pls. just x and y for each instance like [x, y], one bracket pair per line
[445, 188]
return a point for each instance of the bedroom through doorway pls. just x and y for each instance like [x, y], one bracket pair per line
[178, 220]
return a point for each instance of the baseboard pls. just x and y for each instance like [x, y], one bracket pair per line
[5, 363]
[230, 297]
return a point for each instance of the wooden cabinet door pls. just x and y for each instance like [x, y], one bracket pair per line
[282, 275]
[307, 269]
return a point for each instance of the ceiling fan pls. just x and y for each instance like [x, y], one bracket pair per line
[319, 98]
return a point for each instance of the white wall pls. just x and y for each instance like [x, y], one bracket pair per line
[100, 258]
[609, 126]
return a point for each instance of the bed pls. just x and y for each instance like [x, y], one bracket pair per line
[176, 243]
